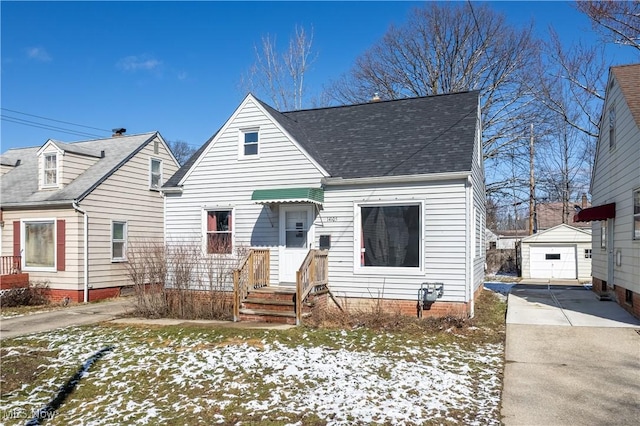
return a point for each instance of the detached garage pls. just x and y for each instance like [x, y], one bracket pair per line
[561, 252]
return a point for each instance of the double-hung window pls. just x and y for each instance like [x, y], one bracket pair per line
[389, 236]
[118, 241]
[249, 143]
[219, 231]
[636, 214]
[155, 174]
[50, 170]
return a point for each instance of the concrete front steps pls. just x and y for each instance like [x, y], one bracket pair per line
[273, 304]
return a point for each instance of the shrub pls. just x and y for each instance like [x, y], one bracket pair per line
[179, 280]
[34, 295]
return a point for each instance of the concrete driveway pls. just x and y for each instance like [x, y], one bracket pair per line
[74, 315]
[570, 359]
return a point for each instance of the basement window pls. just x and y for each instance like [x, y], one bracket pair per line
[628, 297]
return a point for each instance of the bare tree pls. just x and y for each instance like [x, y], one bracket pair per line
[280, 75]
[617, 21]
[451, 48]
[568, 85]
[181, 150]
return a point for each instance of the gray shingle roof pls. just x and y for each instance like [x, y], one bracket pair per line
[19, 186]
[426, 135]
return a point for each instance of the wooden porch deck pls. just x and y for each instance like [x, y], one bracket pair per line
[256, 300]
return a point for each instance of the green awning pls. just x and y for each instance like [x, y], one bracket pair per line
[288, 195]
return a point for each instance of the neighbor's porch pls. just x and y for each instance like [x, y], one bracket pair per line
[11, 275]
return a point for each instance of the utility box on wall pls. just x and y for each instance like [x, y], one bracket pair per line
[325, 242]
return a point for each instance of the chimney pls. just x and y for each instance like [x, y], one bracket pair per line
[584, 201]
[376, 97]
[118, 132]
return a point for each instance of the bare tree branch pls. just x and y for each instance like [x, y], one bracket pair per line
[617, 21]
[280, 76]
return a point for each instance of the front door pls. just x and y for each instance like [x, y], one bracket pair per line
[296, 238]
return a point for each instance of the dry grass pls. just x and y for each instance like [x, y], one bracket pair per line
[488, 324]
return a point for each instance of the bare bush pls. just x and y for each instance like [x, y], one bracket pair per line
[181, 280]
[34, 295]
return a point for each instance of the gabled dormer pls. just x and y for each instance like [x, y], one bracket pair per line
[50, 166]
[60, 163]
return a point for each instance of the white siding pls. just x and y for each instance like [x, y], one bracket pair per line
[221, 180]
[445, 240]
[559, 236]
[125, 196]
[616, 175]
[479, 203]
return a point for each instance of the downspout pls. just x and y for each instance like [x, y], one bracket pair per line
[86, 250]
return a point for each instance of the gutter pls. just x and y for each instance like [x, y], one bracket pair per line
[338, 181]
[171, 190]
[85, 249]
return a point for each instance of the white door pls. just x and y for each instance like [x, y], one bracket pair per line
[611, 258]
[296, 238]
[553, 262]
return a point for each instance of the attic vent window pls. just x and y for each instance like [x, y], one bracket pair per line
[50, 170]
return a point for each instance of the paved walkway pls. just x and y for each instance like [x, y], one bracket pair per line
[570, 359]
[74, 315]
[111, 310]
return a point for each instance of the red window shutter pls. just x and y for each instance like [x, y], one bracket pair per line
[16, 238]
[61, 238]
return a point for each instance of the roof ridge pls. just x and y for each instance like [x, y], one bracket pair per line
[410, 98]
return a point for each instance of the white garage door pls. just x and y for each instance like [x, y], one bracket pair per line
[553, 262]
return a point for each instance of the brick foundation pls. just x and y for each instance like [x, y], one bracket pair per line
[406, 307]
[14, 281]
[600, 287]
[634, 307]
[58, 295]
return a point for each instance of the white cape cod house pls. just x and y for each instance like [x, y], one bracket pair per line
[385, 196]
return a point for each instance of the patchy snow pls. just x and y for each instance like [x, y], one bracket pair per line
[269, 380]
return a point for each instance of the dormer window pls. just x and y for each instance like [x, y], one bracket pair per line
[249, 143]
[50, 170]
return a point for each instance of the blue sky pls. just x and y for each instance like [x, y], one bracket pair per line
[176, 67]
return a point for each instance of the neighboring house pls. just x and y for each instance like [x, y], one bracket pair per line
[562, 252]
[393, 190]
[615, 192]
[69, 210]
[549, 215]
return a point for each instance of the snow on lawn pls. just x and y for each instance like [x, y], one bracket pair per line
[210, 377]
